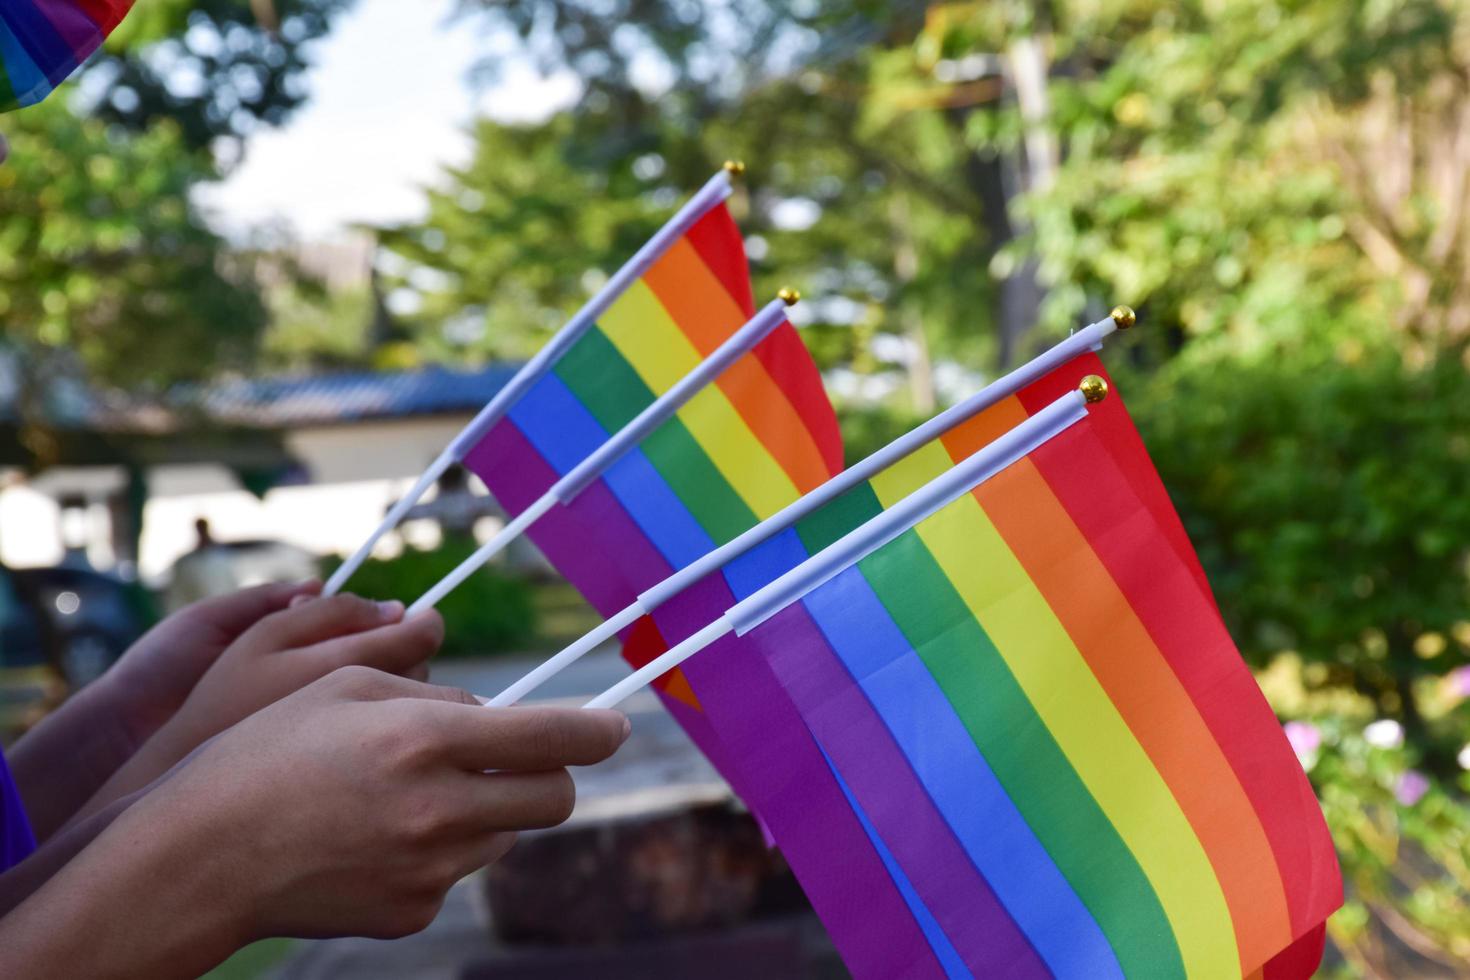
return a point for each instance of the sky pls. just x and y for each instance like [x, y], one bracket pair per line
[390, 100]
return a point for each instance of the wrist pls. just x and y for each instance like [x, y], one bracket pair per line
[182, 837]
[136, 720]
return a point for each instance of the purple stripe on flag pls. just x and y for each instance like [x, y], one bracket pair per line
[595, 545]
[797, 795]
[871, 763]
[72, 25]
[949, 959]
[593, 542]
[678, 619]
[48, 49]
[511, 467]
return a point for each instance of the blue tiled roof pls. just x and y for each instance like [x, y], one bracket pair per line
[329, 398]
[270, 403]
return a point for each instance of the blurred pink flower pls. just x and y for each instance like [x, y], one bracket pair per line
[1459, 681]
[1412, 786]
[1303, 736]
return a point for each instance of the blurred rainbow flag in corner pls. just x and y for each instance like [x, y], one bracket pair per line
[43, 41]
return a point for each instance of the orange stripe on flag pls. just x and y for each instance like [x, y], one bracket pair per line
[979, 431]
[704, 312]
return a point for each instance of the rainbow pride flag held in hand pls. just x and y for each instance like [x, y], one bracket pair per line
[43, 41]
[1017, 740]
[763, 434]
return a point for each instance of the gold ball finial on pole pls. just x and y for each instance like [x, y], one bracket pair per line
[788, 295]
[1124, 317]
[1093, 388]
[735, 168]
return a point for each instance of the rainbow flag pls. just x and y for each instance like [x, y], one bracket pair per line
[43, 41]
[1018, 739]
[759, 437]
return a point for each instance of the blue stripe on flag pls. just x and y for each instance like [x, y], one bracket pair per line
[765, 563]
[26, 79]
[557, 424]
[959, 780]
[657, 510]
[565, 432]
[944, 950]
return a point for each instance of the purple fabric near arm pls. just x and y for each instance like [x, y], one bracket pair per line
[16, 840]
[883, 783]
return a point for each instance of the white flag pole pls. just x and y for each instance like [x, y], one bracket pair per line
[767, 319]
[868, 537]
[1089, 338]
[714, 191]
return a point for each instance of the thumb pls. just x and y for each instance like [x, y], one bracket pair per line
[233, 614]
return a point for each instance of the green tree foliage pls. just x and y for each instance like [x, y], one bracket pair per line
[106, 267]
[212, 68]
[1327, 499]
[103, 258]
[876, 214]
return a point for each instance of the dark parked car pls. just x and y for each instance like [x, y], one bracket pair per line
[60, 628]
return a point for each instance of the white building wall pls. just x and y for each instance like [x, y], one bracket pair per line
[356, 472]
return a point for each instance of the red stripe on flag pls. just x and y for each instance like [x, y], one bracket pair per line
[1126, 445]
[790, 365]
[1185, 625]
[720, 246]
[719, 243]
[1299, 960]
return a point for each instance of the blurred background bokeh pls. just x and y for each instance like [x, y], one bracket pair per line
[264, 256]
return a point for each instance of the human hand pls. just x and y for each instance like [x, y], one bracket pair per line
[281, 653]
[354, 804]
[349, 807]
[62, 763]
[152, 680]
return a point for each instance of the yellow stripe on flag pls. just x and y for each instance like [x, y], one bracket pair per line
[652, 342]
[1102, 749]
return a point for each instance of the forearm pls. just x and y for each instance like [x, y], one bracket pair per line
[63, 761]
[147, 898]
[169, 746]
[26, 878]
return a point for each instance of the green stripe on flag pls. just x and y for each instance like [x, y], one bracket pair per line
[1026, 759]
[8, 99]
[837, 517]
[609, 387]
[695, 479]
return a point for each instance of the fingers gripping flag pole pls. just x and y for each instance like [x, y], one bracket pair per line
[749, 613]
[714, 192]
[1089, 338]
[626, 438]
